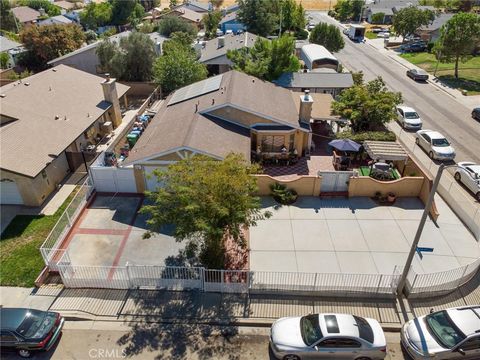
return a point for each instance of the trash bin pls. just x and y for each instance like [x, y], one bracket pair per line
[132, 139]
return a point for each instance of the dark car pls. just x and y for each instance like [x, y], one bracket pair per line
[476, 113]
[414, 47]
[28, 330]
[417, 74]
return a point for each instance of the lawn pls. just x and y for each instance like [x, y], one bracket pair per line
[370, 35]
[20, 258]
[365, 171]
[469, 71]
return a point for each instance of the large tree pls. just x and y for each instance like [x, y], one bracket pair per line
[95, 15]
[122, 11]
[170, 24]
[49, 42]
[49, 7]
[327, 35]
[210, 22]
[207, 201]
[131, 59]
[349, 9]
[178, 66]
[368, 106]
[7, 19]
[458, 38]
[261, 17]
[407, 20]
[267, 59]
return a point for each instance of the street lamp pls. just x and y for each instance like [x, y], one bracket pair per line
[413, 249]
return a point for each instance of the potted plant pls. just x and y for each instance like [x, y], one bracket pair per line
[378, 195]
[391, 197]
[282, 194]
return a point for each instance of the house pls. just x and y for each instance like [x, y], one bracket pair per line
[230, 22]
[231, 112]
[213, 53]
[86, 58]
[183, 12]
[316, 56]
[193, 5]
[26, 15]
[55, 20]
[387, 7]
[431, 32]
[12, 48]
[47, 121]
[326, 82]
[65, 6]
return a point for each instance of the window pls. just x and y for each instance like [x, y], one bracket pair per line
[328, 343]
[443, 329]
[348, 343]
[272, 143]
[400, 111]
[310, 329]
[471, 344]
[364, 329]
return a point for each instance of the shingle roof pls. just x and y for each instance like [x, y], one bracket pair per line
[231, 42]
[7, 44]
[25, 14]
[314, 52]
[321, 107]
[180, 125]
[188, 14]
[315, 79]
[59, 19]
[437, 23]
[67, 5]
[35, 138]
[229, 17]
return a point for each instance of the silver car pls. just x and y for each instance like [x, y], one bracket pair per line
[328, 336]
[447, 334]
[435, 144]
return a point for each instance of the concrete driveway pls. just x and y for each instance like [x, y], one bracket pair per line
[356, 236]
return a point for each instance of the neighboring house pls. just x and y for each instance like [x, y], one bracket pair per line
[194, 6]
[86, 58]
[55, 20]
[190, 16]
[12, 48]
[74, 15]
[387, 15]
[228, 113]
[431, 33]
[46, 119]
[298, 46]
[231, 8]
[317, 56]
[387, 7]
[230, 22]
[26, 15]
[213, 53]
[329, 82]
[65, 6]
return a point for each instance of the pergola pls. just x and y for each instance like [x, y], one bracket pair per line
[385, 150]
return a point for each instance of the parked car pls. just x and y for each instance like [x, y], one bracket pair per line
[446, 334]
[229, 32]
[29, 330]
[408, 118]
[468, 174]
[219, 32]
[417, 74]
[310, 26]
[327, 336]
[476, 113]
[414, 47]
[435, 144]
[383, 34]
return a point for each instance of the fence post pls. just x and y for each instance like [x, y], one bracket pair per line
[379, 282]
[460, 279]
[315, 282]
[127, 267]
[414, 281]
[202, 275]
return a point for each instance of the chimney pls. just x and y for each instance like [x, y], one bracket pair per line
[306, 102]
[221, 42]
[110, 94]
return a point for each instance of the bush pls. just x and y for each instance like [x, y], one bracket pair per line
[430, 46]
[282, 194]
[332, 13]
[301, 34]
[367, 135]
[171, 24]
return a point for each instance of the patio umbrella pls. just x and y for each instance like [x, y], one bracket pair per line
[345, 145]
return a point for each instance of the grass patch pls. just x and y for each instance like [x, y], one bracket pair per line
[469, 71]
[365, 171]
[20, 257]
[370, 35]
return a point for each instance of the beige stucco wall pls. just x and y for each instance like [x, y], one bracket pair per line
[34, 191]
[367, 186]
[139, 179]
[303, 185]
[86, 61]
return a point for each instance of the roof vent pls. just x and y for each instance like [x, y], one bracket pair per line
[57, 117]
[2, 95]
[27, 84]
[54, 69]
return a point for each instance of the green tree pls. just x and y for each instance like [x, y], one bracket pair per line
[173, 3]
[266, 59]
[122, 10]
[407, 20]
[95, 15]
[177, 67]
[217, 4]
[357, 6]
[49, 42]
[4, 59]
[458, 38]
[368, 106]
[261, 17]
[50, 8]
[378, 18]
[207, 201]
[131, 60]
[178, 38]
[327, 35]
[343, 9]
[170, 24]
[7, 19]
[136, 15]
[210, 22]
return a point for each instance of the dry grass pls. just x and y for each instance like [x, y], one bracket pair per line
[307, 4]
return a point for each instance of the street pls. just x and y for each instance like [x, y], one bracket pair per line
[438, 109]
[85, 340]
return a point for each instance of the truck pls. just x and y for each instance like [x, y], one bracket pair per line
[356, 32]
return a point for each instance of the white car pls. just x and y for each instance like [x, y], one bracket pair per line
[408, 118]
[435, 144]
[383, 34]
[446, 334]
[327, 336]
[468, 173]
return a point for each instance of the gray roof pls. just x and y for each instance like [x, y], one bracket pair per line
[59, 19]
[437, 23]
[211, 50]
[315, 80]
[25, 14]
[315, 52]
[7, 44]
[229, 17]
[377, 10]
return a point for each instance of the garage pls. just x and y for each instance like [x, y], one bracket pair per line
[9, 193]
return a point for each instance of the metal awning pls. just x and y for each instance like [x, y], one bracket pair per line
[385, 150]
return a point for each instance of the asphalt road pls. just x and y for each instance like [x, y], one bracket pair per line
[169, 342]
[438, 110]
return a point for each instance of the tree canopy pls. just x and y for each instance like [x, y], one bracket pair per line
[348, 9]
[267, 59]
[131, 60]
[96, 15]
[207, 201]
[368, 106]
[458, 38]
[7, 19]
[125, 11]
[170, 24]
[261, 17]
[50, 8]
[45, 43]
[178, 66]
[210, 22]
[407, 20]
[328, 36]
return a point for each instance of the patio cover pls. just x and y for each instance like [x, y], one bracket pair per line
[385, 150]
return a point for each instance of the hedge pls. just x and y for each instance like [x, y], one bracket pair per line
[367, 135]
